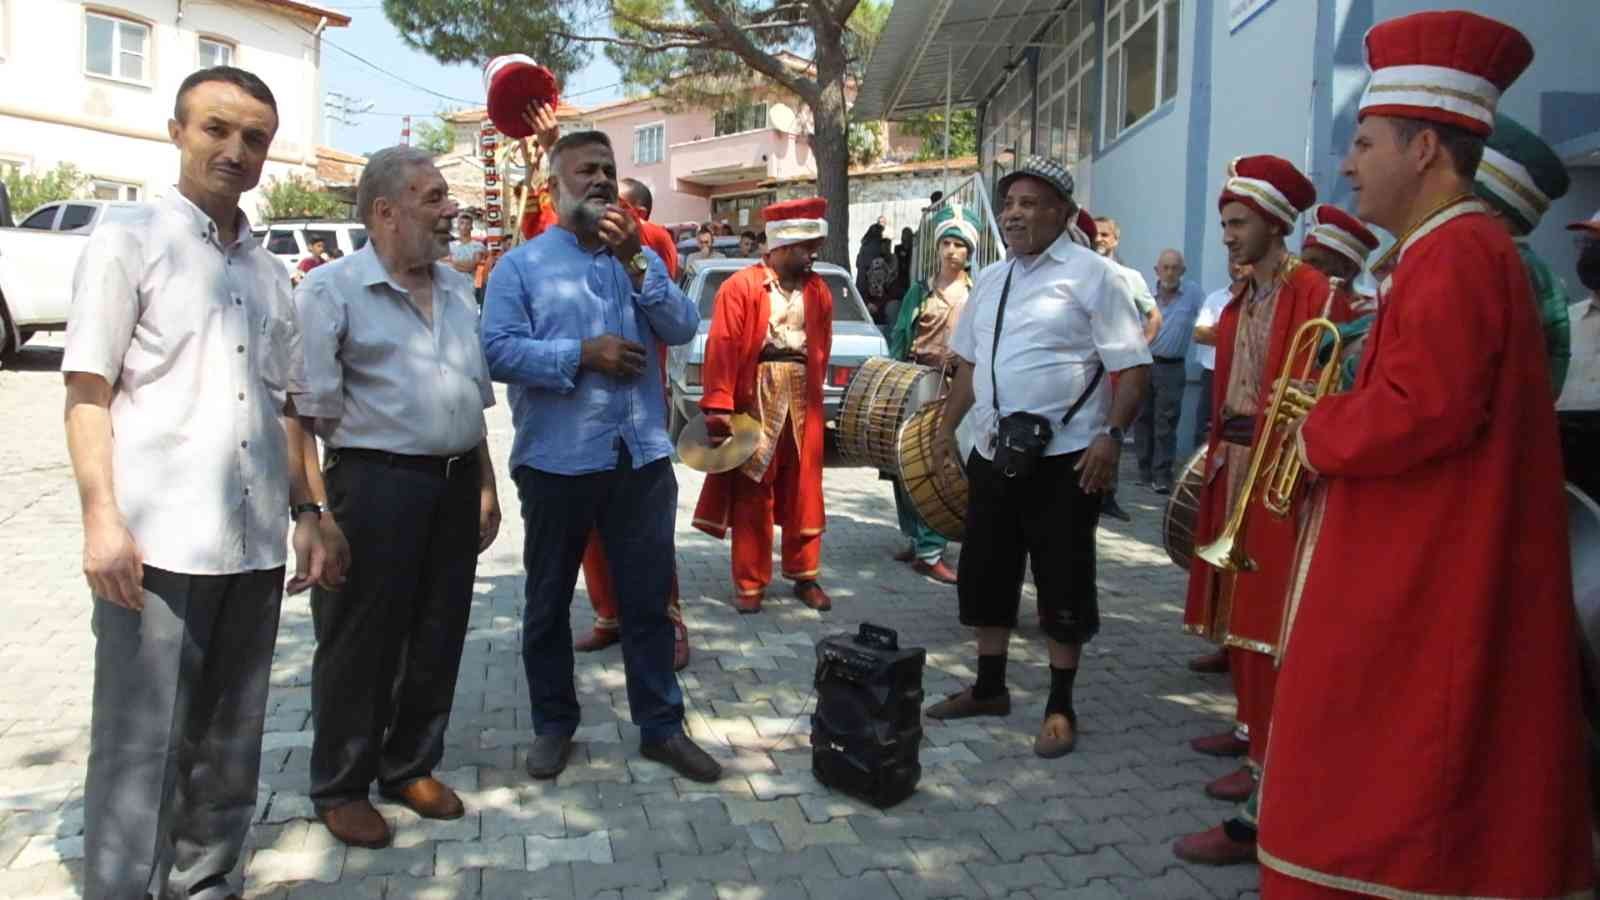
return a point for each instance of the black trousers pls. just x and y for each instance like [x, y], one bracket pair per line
[1046, 518]
[389, 642]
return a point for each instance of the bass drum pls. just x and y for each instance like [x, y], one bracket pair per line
[1183, 510]
[938, 494]
[879, 399]
[1583, 527]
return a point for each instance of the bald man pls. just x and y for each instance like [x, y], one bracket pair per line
[1156, 433]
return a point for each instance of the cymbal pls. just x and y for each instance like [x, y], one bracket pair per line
[694, 445]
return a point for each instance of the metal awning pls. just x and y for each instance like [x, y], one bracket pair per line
[934, 53]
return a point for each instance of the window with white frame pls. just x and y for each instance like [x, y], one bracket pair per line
[116, 48]
[215, 52]
[1067, 98]
[649, 143]
[1141, 60]
[107, 189]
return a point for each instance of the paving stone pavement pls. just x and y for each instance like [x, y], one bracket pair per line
[989, 819]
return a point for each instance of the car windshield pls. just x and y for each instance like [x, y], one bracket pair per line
[845, 309]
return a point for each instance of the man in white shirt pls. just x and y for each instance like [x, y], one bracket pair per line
[1205, 349]
[182, 355]
[1578, 405]
[1048, 326]
[1104, 235]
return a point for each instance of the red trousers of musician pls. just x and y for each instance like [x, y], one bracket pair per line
[603, 594]
[1255, 678]
[756, 508]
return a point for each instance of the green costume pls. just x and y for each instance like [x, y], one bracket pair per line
[953, 221]
[1520, 176]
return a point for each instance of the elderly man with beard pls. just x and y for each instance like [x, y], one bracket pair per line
[1034, 343]
[397, 385]
[572, 323]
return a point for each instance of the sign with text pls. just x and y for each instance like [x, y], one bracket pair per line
[1242, 11]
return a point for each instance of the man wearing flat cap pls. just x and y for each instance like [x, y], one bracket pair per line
[1034, 345]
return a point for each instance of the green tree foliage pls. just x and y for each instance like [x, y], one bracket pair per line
[866, 142]
[929, 127]
[708, 54]
[435, 137]
[297, 197]
[31, 191]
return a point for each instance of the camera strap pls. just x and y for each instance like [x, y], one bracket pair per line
[994, 351]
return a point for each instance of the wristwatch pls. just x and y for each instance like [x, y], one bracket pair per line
[1114, 432]
[639, 264]
[296, 510]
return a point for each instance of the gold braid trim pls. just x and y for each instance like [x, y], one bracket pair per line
[1372, 888]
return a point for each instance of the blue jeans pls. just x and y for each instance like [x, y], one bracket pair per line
[635, 512]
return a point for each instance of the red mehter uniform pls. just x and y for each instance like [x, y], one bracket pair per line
[1429, 735]
[782, 483]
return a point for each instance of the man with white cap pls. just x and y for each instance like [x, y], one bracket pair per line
[1428, 739]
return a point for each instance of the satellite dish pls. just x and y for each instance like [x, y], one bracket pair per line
[782, 118]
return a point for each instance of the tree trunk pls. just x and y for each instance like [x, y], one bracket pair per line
[830, 144]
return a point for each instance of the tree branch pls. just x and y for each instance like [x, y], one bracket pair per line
[736, 41]
[637, 45]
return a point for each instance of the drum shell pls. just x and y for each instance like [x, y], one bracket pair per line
[1183, 511]
[879, 399]
[938, 495]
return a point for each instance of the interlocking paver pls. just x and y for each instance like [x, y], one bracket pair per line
[1100, 822]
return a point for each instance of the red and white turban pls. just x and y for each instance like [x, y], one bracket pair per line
[1337, 230]
[1447, 67]
[1271, 186]
[795, 221]
[511, 82]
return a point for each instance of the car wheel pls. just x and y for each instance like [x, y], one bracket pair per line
[9, 345]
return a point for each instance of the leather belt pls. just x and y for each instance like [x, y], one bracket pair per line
[1239, 430]
[773, 354]
[1167, 359]
[446, 466]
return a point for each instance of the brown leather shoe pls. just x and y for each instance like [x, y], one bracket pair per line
[1225, 744]
[966, 706]
[1213, 847]
[1210, 664]
[748, 603]
[937, 570]
[358, 824]
[1052, 742]
[598, 639]
[429, 798]
[1235, 787]
[812, 595]
[680, 646]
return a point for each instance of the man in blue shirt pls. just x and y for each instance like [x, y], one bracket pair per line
[1156, 432]
[571, 322]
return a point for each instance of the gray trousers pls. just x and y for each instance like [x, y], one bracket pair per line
[1202, 408]
[1155, 434]
[180, 694]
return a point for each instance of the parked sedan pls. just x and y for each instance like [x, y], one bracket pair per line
[855, 338]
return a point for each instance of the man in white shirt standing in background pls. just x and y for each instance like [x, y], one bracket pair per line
[1205, 350]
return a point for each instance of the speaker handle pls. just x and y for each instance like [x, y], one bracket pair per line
[871, 635]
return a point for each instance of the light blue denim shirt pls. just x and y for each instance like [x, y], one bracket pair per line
[1177, 320]
[544, 299]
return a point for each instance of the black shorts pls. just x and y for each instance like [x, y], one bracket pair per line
[1046, 517]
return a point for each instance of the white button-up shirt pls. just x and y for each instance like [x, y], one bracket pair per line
[199, 343]
[1068, 311]
[1581, 392]
[381, 376]
[1210, 314]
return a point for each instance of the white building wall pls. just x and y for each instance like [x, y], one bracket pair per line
[52, 111]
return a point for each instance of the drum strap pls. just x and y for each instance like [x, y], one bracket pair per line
[994, 351]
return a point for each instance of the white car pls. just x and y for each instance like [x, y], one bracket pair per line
[290, 239]
[37, 259]
[855, 338]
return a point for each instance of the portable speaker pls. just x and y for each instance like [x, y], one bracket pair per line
[867, 730]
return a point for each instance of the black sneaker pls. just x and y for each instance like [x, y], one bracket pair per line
[548, 755]
[1162, 487]
[1110, 507]
[683, 756]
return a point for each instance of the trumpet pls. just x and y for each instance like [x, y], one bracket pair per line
[1274, 462]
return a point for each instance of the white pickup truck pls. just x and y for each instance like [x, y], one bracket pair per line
[37, 259]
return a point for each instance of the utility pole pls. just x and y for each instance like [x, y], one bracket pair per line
[405, 131]
[342, 108]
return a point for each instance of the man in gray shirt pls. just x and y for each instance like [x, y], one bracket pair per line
[182, 355]
[1156, 433]
[396, 381]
